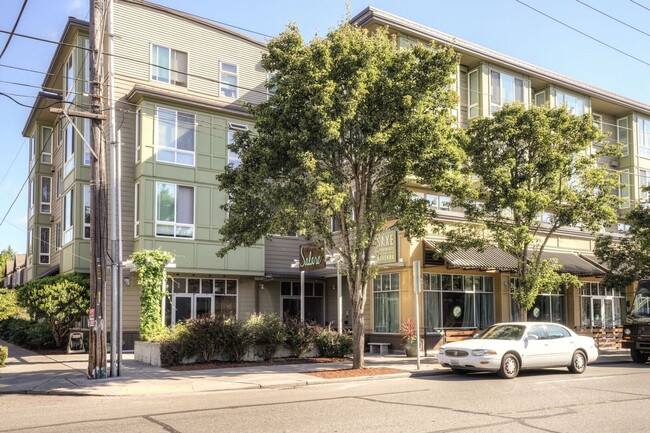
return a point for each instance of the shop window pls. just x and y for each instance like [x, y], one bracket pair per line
[386, 303]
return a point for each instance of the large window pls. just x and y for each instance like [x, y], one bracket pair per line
[644, 183]
[574, 103]
[68, 211]
[549, 307]
[32, 150]
[623, 134]
[175, 136]
[473, 93]
[87, 142]
[69, 142]
[46, 194]
[69, 77]
[601, 307]
[233, 158]
[643, 128]
[386, 303]
[228, 80]
[458, 301]
[168, 66]
[314, 306]
[86, 211]
[504, 89]
[196, 297]
[46, 142]
[624, 189]
[174, 210]
[44, 246]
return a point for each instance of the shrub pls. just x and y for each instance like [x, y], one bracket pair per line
[174, 345]
[331, 344]
[205, 336]
[9, 306]
[27, 333]
[300, 337]
[238, 338]
[4, 353]
[269, 333]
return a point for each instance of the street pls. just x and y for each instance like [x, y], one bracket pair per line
[607, 398]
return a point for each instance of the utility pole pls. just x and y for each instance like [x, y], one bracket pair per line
[98, 205]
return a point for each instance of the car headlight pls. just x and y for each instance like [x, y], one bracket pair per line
[483, 352]
[627, 331]
[441, 351]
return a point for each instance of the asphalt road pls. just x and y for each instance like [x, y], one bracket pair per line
[607, 398]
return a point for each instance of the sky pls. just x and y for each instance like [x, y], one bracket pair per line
[619, 63]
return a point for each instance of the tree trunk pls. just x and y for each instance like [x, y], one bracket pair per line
[358, 337]
[523, 314]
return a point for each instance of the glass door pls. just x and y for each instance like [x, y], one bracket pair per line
[597, 312]
[608, 313]
[182, 307]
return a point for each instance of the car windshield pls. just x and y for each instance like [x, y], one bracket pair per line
[641, 305]
[503, 332]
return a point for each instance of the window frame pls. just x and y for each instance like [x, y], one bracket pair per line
[223, 84]
[378, 293]
[473, 108]
[86, 205]
[578, 97]
[624, 186]
[32, 149]
[46, 157]
[44, 257]
[68, 217]
[234, 160]
[69, 148]
[174, 224]
[32, 198]
[502, 102]
[619, 129]
[46, 206]
[643, 136]
[136, 210]
[175, 150]
[171, 73]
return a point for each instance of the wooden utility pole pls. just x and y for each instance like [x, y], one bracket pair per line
[98, 205]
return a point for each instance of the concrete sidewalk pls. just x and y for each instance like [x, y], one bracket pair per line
[29, 372]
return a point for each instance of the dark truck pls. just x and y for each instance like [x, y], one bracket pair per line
[636, 328]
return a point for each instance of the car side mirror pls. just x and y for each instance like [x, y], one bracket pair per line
[532, 337]
[475, 335]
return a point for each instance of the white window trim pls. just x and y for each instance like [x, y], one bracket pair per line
[174, 224]
[48, 209]
[626, 146]
[87, 159]
[543, 92]
[32, 198]
[68, 232]
[232, 127]
[524, 84]
[221, 83]
[46, 157]
[136, 210]
[643, 143]
[86, 224]
[476, 105]
[175, 149]
[138, 114]
[69, 92]
[40, 241]
[626, 199]
[32, 149]
[585, 100]
[152, 65]
[69, 162]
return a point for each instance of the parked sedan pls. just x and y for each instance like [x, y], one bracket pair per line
[506, 348]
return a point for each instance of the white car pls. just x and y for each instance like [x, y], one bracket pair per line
[506, 348]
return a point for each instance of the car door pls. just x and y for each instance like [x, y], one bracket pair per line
[561, 344]
[535, 353]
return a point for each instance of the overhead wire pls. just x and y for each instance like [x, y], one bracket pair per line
[640, 5]
[13, 30]
[613, 18]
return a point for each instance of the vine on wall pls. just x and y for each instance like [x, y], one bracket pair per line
[150, 265]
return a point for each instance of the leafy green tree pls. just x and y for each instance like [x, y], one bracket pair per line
[150, 265]
[627, 259]
[6, 254]
[60, 301]
[9, 304]
[351, 120]
[538, 164]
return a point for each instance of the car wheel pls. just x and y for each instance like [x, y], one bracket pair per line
[459, 370]
[638, 357]
[509, 366]
[578, 362]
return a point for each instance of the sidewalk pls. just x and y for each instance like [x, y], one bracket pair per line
[29, 372]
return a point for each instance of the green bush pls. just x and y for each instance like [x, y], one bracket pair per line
[174, 345]
[269, 333]
[331, 344]
[9, 306]
[27, 333]
[238, 338]
[300, 337]
[4, 353]
[205, 336]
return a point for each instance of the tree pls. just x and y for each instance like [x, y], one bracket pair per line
[350, 120]
[627, 260]
[6, 254]
[536, 175]
[60, 301]
[150, 265]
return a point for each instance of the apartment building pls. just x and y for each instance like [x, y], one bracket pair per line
[178, 104]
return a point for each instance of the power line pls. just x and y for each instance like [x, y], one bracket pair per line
[584, 34]
[640, 5]
[615, 19]
[11, 35]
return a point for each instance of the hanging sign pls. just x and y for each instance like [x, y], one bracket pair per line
[385, 247]
[312, 257]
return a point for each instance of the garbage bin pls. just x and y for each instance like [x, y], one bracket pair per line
[76, 343]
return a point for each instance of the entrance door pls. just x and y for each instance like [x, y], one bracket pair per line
[608, 313]
[597, 312]
[291, 308]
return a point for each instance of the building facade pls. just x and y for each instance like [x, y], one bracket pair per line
[179, 97]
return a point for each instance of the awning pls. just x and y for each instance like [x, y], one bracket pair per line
[591, 258]
[573, 264]
[490, 258]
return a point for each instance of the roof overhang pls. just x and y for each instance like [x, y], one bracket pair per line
[489, 258]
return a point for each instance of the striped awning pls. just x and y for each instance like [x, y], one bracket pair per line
[489, 258]
[574, 264]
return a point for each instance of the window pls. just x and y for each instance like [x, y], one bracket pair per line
[233, 158]
[458, 301]
[87, 128]
[228, 79]
[44, 248]
[32, 150]
[59, 183]
[386, 303]
[68, 232]
[623, 134]
[86, 66]
[406, 42]
[86, 211]
[540, 99]
[575, 104]
[598, 121]
[644, 183]
[314, 306]
[474, 93]
[168, 66]
[504, 89]
[46, 140]
[46, 194]
[624, 189]
[69, 140]
[271, 85]
[174, 210]
[548, 307]
[175, 137]
[69, 77]
[195, 297]
[136, 211]
[138, 120]
[601, 307]
[57, 236]
[31, 193]
[643, 128]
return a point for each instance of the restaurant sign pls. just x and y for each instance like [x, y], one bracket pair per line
[385, 247]
[312, 257]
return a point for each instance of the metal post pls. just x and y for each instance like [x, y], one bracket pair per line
[339, 297]
[302, 296]
[416, 289]
[119, 253]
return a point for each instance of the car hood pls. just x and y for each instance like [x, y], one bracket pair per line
[479, 343]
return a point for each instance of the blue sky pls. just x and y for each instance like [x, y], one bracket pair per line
[506, 26]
